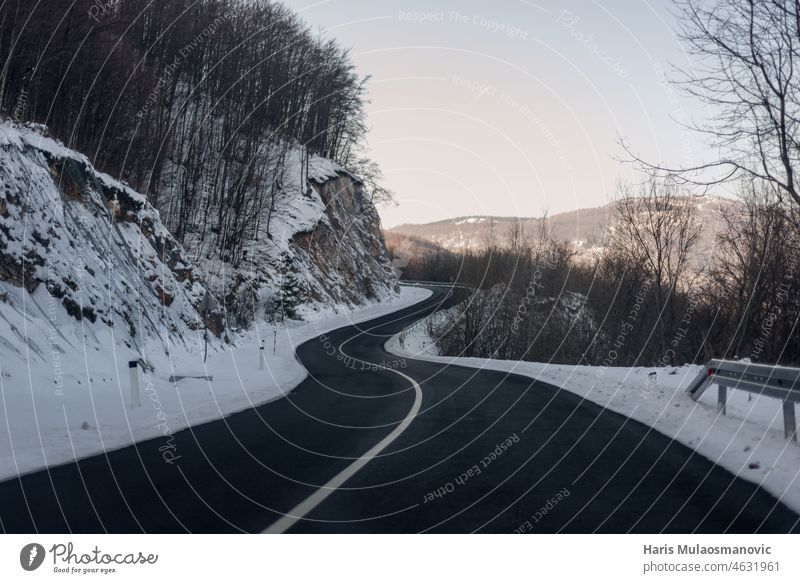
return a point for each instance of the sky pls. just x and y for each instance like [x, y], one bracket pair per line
[513, 107]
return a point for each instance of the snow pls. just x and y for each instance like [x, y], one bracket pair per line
[108, 270]
[72, 408]
[321, 169]
[82, 293]
[12, 135]
[470, 220]
[748, 441]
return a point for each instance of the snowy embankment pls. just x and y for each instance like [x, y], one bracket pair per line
[91, 278]
[748, 441]
[42, 426]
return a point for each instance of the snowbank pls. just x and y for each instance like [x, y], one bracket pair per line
[87, 411]
[748, 441]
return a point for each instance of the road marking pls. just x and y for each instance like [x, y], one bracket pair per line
[301, 510]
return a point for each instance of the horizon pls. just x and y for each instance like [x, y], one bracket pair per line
[709, 196]
[541, 92]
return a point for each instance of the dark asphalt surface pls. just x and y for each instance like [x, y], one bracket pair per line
[571, 466]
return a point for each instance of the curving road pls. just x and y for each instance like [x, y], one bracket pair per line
[421, 447]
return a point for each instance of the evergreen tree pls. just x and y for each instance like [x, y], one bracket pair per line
[290, 292]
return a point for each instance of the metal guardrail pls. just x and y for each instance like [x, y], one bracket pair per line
[779, 382]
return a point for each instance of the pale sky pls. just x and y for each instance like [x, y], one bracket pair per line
[511, 107]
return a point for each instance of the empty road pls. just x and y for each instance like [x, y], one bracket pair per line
[407, 446]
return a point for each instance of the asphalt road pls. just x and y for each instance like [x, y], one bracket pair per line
[484, 451]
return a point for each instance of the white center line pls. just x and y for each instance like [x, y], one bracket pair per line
[301, 510]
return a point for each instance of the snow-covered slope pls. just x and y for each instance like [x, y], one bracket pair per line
[77, 245]
[90, 278]
[318, 243]
[83, 259]
[326, 234]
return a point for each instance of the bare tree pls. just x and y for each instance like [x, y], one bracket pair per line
[192, 103]
[746, 61]
[372, 176]
[656, 228]
[752, 281]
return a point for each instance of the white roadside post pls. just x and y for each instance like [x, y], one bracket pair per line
[261, 358]
[133, 371]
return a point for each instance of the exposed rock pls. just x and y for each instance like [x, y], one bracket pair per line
[105, 256]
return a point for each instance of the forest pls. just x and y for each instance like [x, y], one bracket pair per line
[196, 103]
[652, 297]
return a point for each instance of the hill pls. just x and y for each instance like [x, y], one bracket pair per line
[587, 229]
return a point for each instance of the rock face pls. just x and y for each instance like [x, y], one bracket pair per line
[346, 247]
[76, 240]
[80, 248]
[325, 236]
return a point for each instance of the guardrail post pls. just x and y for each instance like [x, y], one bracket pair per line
[778, 382]
[722, 399]
[700, 383]
[789, 421]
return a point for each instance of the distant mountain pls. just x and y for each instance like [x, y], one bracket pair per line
[586, 228]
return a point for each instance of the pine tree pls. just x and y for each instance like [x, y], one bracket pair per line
[290, 292]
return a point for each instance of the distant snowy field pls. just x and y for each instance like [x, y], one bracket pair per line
[748, 441]
[86, 409]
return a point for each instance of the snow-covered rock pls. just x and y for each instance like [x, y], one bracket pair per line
[82, 254]
[75, 240]
[90, 278]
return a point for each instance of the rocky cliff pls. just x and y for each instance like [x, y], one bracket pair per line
[85, 260]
